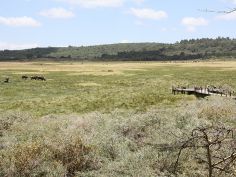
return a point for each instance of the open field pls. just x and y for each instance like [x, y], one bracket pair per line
[99, 66]
[80, 88]
[107, 119]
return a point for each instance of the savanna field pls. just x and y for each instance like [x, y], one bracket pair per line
[108, 118]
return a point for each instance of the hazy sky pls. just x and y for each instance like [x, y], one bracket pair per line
[32, 23]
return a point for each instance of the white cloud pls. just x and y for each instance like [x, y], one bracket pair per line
[148, 14]
[19, 21]
[125, 41]
[232, 1]
[59, 13]
[191, 29]
[12, 46]
[95, 3]
[191, 23]
[138, 1]
[229, 16]
[100, 3]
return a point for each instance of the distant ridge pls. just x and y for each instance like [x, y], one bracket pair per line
[184, 50]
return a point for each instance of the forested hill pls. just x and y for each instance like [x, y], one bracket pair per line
[183, 50]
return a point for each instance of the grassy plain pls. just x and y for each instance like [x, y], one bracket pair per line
[106, 119]
[87, 87]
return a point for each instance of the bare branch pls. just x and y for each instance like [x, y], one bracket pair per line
[217, 141]
[214, 11]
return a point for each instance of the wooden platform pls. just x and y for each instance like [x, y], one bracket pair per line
[201, 92]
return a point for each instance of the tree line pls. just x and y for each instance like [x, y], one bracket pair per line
[184, 50]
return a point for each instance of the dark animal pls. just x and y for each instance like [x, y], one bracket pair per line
[25, 77]
[41, 78]
[6, 80]
[38, 78]
[33, 77]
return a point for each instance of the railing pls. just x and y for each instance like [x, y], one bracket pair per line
[203, 91]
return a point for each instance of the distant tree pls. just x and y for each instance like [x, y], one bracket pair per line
[182, 54]
[29, 56]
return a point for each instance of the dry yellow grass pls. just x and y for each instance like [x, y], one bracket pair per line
[100, 68]
[100, 73]
[226, 65]
[77, 68]
[88, 84]
[30, 73]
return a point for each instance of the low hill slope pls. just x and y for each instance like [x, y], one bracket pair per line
[183, 50]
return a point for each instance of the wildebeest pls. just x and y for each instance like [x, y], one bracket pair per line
[6, 80]
[41, 78]
[24, 77]
[38, 78]
[33, 77]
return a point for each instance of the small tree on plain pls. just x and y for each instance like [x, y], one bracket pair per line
[218, 147]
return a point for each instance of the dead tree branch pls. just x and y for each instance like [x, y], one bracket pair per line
[219, 146]
[221, 11]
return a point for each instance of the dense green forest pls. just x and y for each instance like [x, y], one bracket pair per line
[184, 50]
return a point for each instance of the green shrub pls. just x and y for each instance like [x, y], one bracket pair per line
[120, 143]
[74, 156]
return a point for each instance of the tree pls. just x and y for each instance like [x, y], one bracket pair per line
[221, 11]
[214, 146]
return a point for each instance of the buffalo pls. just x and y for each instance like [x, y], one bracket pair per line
[33, 77]
[6, 80]
[38, 78]
[41, 78]
[24, 77]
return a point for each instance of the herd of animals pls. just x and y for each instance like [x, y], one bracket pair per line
[24, 77]
[42, 78]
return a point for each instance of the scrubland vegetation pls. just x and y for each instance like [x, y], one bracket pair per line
[109, 119]
[184, 50]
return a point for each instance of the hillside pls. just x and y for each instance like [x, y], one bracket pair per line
[183, 50]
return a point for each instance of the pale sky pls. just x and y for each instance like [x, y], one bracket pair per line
[42, 23]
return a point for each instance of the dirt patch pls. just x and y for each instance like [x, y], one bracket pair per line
[88, 84]
[96, 73]
[168, 75]
[30, 73]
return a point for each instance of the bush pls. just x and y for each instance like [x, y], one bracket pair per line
[9, 118]
[74, 156]
[120, 143]
[30, 148]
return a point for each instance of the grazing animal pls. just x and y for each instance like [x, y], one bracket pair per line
[33, 77]
[6, 80]
[38, 78]
[25, 77]
[41, 78]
